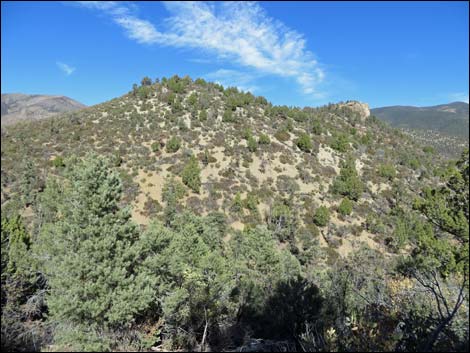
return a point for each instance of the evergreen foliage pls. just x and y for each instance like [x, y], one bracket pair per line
[387, 171]
[252, 144]
[90, 250]
[348, 182]
[345, 207]
[322, 216]
[264, 139]
[304, 142]
[173, 144]
[191, 175]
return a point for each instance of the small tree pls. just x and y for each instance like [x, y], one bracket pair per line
[192, 99]
[346, 207]
[322, 216]
[28, 183]
[247, 133]
[228, 116]
[237, 203]
[90, 252]
[440, 262]
[252, 144]
[316, 127]
[173, 144]
[203, 115]
[155, 147]
[304, 142]
[172, 192]
[191, 175]
[387, 171]
[340, 143]
[146, 81]
[58, 162]
[348, 182]
[264, 139]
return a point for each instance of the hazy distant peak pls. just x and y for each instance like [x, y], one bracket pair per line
[18, 106]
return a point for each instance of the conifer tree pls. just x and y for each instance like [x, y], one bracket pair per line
[348, 182]
[191, 175]
[439, 262]
[90, 252]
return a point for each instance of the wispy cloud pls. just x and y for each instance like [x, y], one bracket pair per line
[242, 80]
[237, 32]
[67, 69]
[458, 97]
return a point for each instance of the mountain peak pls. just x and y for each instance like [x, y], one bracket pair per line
[18, 106]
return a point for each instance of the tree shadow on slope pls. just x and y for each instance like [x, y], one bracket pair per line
[274, 325]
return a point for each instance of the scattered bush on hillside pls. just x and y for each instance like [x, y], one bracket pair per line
[173, 144]
[191, 175]
[322, 216]
[304, 142]
[348, 182]
[346, 206]
[263, 139]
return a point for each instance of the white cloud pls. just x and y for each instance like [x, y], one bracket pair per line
[238, 32]
[68, 70]
[140, 30]
[458, 97]
[232, 78]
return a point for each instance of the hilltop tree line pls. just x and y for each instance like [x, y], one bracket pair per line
[84, 277]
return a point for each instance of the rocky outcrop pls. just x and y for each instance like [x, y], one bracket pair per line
[362, 109]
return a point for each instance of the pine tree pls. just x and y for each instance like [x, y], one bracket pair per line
[90, 250]
[348, 182]
[191, 175]
[28, 182]
[439, 262]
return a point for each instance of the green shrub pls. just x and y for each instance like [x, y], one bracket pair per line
[208, 158]
[173, 144]
[346, 206]
[144, 92]
[58, 162]
[340, 143]
[348, 182]
[247, 133]
[304, 142]
[366, 139]
[252, 144]
[429, 149]
[316, 127]
[264, 139]
[282, 135]
[228, 116]
[322, 216]
[203, 115]
[251, 202]
[237, 203]
[155, 146]
[387, 171]
[191, 175]
[192, 99]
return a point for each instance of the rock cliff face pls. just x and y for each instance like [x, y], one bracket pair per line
[361, 108]
[17, 107]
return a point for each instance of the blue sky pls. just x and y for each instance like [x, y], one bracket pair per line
[293, 53]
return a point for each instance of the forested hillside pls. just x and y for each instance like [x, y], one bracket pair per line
[449, 119]
[188, 216]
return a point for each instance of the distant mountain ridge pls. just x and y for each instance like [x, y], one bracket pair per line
[449, 119]
[17, 107]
